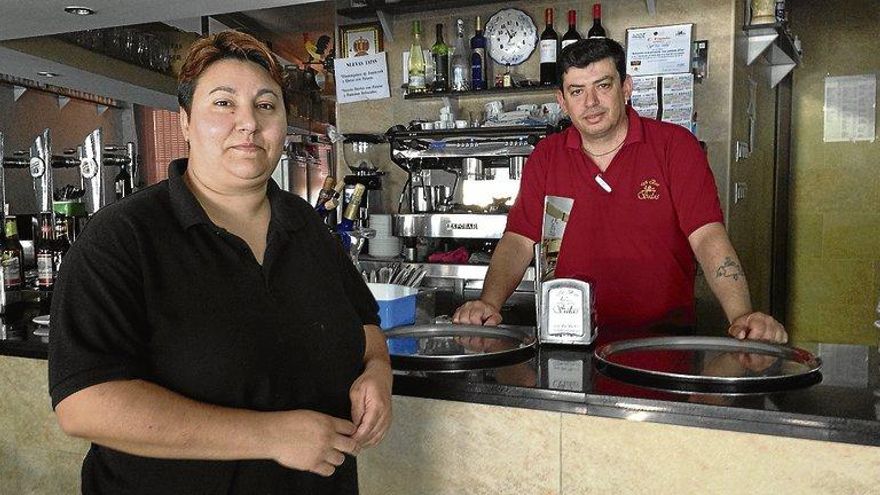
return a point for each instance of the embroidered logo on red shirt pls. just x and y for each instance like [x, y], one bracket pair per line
[649, 190]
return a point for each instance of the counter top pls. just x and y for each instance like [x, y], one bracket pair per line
[843, 407]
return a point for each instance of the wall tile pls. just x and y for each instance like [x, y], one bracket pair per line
[601, 455]
[851, 235]
[442, 447]
[833, 323]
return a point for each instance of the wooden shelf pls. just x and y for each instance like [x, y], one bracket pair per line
[482, 93]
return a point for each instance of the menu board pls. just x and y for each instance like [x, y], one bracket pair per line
[850, 108]
[362, 78]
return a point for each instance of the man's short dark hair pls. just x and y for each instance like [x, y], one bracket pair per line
[584, 52]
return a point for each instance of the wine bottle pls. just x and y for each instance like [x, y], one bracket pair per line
[326, 191]
[597, 31]
[416, 61]
[478, 57]
[13, 275]
[328, 206]
[346, 225]
[549, 50]
[460, 80]
[43, 247]
[440, 54]
[571, 35]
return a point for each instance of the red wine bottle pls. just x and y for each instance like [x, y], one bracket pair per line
[597, 31]
[571, 35]
[549, 50]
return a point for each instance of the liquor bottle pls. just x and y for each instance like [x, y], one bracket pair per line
[572, 34]
[440, 54]
[416, 61]
[461, 69]
[597, 31]
[45, 253]
[478, 57]
[346, 225]
[326, 192]
[62, 242]
[13, 276]
[549, 50]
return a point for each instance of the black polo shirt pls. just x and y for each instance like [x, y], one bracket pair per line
[153, 290]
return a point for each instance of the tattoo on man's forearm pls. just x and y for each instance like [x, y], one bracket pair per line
[729, 268]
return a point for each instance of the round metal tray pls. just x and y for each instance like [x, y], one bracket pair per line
[709, 364]
[446, 346]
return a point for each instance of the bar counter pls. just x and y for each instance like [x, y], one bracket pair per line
[552, 424]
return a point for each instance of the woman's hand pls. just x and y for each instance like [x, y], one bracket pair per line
[309, 440]
[371, 403]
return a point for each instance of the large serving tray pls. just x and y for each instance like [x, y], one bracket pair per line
[439, 346]
[709, 364]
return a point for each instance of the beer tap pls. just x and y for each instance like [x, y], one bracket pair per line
[93, 153]
[41, 172]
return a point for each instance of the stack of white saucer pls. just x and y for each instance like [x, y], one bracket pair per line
[384, 244]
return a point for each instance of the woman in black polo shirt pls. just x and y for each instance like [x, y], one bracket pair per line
[208, 334]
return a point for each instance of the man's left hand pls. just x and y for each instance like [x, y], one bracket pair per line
[758, 326]
[371, 403]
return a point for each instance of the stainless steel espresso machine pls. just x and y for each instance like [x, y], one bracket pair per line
[453, 208]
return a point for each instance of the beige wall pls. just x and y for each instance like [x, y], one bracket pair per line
[835, 229]
[713, 21]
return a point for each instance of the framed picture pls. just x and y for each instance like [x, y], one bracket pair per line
[360, 39]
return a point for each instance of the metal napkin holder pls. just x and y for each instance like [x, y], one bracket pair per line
[565, 307]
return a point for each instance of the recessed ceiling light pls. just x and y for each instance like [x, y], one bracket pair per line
[44, 73]
[78, 10]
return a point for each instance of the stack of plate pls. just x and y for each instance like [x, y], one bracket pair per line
[384, 244]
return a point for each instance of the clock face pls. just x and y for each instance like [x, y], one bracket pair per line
[512, 36]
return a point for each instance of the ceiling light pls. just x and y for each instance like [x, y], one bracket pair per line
[44, 73]
[77, 10]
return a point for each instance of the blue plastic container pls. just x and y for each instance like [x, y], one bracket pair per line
[397, 306]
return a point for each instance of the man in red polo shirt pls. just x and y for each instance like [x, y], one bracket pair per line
[645, 204]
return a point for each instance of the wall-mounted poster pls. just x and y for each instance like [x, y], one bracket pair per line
[358, 40]
[659, 50]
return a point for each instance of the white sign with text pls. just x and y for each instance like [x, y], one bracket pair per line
[362, 78]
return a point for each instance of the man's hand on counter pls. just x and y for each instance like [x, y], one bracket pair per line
[758, 326]
[477, 313]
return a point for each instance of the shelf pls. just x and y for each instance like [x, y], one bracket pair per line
[483, 92]
[413, 6]
[774, 45]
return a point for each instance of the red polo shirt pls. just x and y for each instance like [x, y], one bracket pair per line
[631, 243]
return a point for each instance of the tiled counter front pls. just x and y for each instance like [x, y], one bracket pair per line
[35, 456]
[441, 447]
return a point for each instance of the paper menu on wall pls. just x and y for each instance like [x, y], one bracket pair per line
[850, 108]
[669, 98]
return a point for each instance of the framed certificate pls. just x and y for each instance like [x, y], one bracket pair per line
[358, 40]
[659, 50]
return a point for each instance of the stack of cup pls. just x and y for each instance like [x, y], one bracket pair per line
[384, 244]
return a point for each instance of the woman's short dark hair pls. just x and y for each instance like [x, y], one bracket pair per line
[221, 46]
[584, 52]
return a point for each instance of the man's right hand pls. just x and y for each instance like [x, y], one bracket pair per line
[310, 441]
[477, 313]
